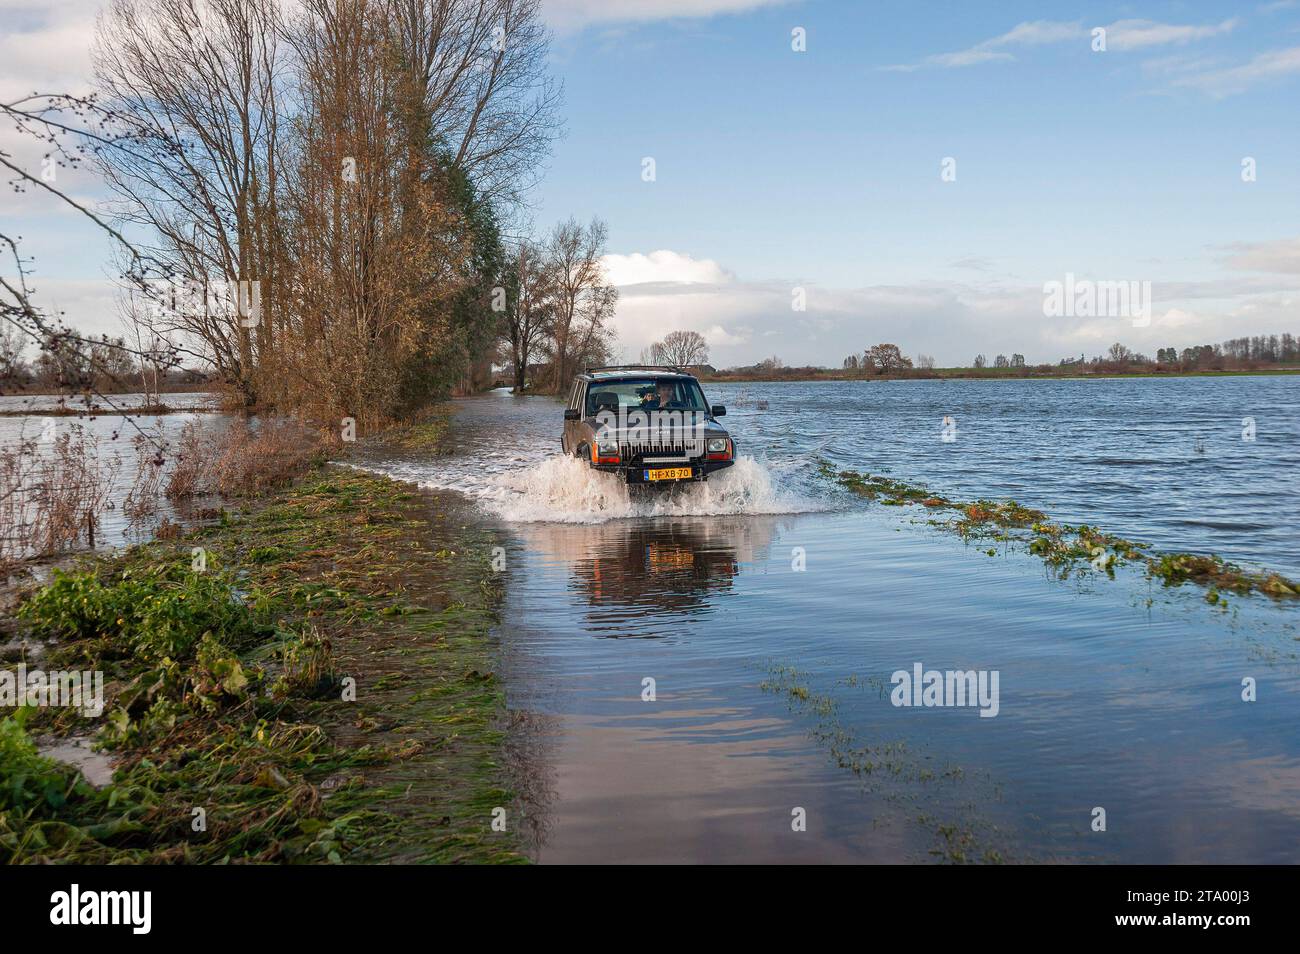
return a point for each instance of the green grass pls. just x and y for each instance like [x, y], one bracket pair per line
[226, 692]
[427, 432]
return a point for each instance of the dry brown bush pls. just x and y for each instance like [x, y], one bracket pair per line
[193, 460]
[255, 460]
[145, 496]
[52, 494]
[246, 459]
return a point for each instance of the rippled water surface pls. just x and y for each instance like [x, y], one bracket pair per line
[685, 691]
[1157, 460]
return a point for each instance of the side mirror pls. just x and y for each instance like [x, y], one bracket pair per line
[571, 414]
[719, 410]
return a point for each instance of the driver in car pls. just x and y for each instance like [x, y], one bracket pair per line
[662, 398]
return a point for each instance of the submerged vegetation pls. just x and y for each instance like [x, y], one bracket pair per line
[427, 431]
[1064, 546]
[892, 771]
[308, 681]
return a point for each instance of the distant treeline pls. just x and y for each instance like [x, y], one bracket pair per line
[1258, 353]
[107, 365]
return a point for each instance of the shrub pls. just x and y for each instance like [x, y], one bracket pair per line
[246, 459]
[51, 497]
[31, 786]
[150, 615]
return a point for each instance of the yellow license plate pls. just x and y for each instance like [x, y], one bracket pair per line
[661, 556]
[669, 473]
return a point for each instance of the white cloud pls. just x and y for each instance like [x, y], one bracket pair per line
[45, 47]
[1120, 35]
[745, 321]
[961, 58]
[718, 336]
[1279, 256]
[1138, 34]
[1230, 81]
[1175, 318]
[87, 304]
[662, 266]
[1180, 63]
[1036, 33]
[571, 15]
[1029, 33]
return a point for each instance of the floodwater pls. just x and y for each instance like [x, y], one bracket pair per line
[706, 675]
[121, 440]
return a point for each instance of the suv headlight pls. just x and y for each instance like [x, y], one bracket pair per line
[607, 448]
[717, 445]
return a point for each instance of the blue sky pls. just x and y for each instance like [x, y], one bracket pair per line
[823, 165]
[778, 169]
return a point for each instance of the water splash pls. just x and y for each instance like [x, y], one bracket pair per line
[566, 490]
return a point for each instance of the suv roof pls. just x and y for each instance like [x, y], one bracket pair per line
[636, 371]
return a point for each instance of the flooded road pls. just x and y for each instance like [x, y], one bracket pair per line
[706, 676]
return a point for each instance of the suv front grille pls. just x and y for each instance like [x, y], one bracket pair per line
[638, 450]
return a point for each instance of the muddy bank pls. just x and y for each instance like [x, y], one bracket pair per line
[311, 680]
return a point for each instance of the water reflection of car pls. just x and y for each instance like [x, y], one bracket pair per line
[649, 424]
[664, 567]
[645, 577]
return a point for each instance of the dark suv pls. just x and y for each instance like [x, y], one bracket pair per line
[650, 424]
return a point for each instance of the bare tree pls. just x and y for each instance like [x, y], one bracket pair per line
[582, 301]
[529, 307]
[70, 128]
[343, 165]
[202, 78]
[12, 344]
[478, 70]
[48, 501]
[378, 249]
[594, 340]
[682, 349]
[149, 348]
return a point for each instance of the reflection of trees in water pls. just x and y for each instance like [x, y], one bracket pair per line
[669, 567]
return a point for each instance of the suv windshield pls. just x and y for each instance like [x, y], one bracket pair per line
[650, 394]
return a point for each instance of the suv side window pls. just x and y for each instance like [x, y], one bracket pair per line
[575, 398]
